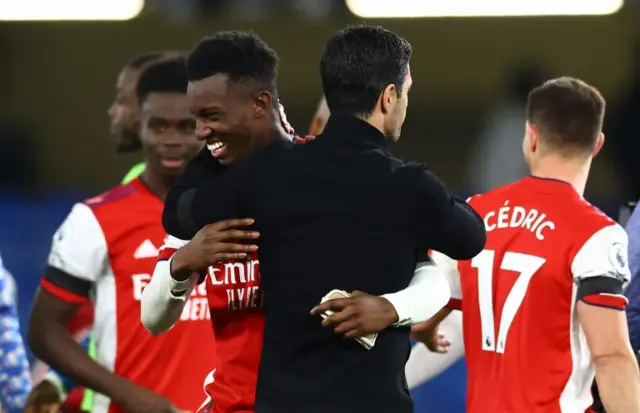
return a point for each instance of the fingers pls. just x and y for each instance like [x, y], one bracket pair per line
[334, 305]
[229, 223]
[231, 252]
[236, 234]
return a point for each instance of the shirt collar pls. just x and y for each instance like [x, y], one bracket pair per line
[352, 129]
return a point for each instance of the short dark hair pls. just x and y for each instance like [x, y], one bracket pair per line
[242, 56]
[567, 112]
[142, 59]
[167, 76]
[358, 63]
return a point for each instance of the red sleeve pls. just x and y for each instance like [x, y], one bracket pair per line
[454, 304]
[166, 253]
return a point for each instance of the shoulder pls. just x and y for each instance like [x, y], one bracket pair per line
[496, 195]
[79, 238]
[113, 196]
[604, 252]
[170, 246]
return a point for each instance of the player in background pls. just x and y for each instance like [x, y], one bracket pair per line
[124, 116]
[320, 118]
[15, 378]
[542, 304]
[106, 249]
[124, 111]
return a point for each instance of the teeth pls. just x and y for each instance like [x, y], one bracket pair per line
[215, 146]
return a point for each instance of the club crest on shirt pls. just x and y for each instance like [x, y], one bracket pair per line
[617, 257]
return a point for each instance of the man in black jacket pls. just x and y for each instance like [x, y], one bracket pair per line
[339, 212]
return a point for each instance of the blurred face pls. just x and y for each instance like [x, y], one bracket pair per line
[394, 106]
[167, 133]
[124, 112]
[232, 121]
[320, 119]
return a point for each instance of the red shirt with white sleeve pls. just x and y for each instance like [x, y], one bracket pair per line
[546, 249]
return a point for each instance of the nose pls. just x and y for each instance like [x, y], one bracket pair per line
[202, 131]
[111, 112]
[173, 139]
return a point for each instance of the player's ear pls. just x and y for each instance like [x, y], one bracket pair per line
[262, 104]
[598, 146]
[532, 137]
[388, 98]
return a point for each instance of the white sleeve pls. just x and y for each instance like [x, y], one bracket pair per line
[79, 247]
[426, 294]
[604, 254]
[450, 269]
[423, 365]
[164, 298]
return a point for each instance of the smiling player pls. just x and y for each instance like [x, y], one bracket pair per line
[106, 249]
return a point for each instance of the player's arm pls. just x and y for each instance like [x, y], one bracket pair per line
[164, 298]
[222, 197]
[443, 221]
[77, 258]
[425, 364]
[199, 170]
[427, 293]
[600, 270]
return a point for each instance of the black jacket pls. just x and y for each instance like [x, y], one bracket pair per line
[338, 212]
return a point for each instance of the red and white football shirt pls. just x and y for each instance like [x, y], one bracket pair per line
[109, 243]
[524, 346]
[235, 301]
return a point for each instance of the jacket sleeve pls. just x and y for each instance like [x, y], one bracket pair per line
[218, 197]
[199, 170]
[442, 221]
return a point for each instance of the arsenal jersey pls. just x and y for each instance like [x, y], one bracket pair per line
[107, 248]
[524, 346]
[235, 302]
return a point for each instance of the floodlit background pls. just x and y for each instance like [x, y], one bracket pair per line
[473, 63]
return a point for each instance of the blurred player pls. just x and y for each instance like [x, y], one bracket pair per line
[124, 111]
[542, 304]
[320, 118]
[124, 115]
[15, 380]
[106, 248]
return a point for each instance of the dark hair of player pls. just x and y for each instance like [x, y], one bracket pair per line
[358, 63]
[243, 57]
[168, 76]
[568, 114]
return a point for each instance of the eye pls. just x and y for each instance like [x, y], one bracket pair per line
[157, 125]
[188, 126]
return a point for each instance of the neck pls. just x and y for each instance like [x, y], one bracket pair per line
[159, 185]
[575, 171]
